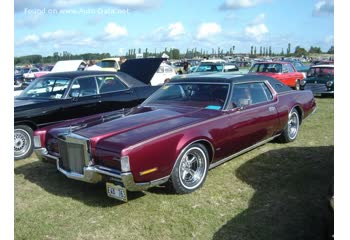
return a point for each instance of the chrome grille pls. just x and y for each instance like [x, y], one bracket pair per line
[316, 87]
[74, 154]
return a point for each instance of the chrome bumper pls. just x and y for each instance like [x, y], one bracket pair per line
[96, 173]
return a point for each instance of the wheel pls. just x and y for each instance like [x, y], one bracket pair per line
[297, 85]
[23, 145]
[291, 129]
[190, 169]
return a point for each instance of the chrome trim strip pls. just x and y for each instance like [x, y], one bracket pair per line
[215, 164]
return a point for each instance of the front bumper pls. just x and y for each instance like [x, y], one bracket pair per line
[97, 173]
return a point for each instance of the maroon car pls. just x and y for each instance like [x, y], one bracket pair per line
[188, 126]
[282, 71]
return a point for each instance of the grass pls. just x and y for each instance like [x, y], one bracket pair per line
[277, 191]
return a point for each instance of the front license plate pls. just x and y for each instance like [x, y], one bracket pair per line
[317, 94]
[117, 192]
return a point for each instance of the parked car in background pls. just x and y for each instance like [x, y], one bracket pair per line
[188, 126]
[212, 67]
[319, 80]
[110, 64]
[285, 72]
[299, 66]
[56, 97]
[30, 75]
[164, 73]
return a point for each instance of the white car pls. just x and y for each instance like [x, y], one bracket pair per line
[31, 73]
[164, 73]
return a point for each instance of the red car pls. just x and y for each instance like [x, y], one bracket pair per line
[188, 126]
[282, 71]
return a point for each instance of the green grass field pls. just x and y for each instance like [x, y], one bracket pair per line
[277, 191]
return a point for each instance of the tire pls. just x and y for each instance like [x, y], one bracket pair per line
[290, 131]
[191, 169]
[23, 142]
[297, 85]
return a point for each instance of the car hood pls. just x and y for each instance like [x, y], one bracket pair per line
[142, 123]
[142, 69]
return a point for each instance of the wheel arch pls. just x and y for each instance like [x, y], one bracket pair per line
[300, 112]
[28, 123]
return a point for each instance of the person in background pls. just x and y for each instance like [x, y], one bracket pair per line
[92, 66]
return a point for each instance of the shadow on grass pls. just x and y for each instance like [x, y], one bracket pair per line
[47, 177]
[290, 199]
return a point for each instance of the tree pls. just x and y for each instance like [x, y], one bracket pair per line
[255, 50]
[315, 50]
[260, 50]
[299, 51]
[288, 49]
[331, 50]
[270, 51]
[251, 50]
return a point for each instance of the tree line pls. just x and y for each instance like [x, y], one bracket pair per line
[173, 53]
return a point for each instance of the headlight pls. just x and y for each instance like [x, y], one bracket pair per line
[125, 165]
[302, 82]
[329, 83]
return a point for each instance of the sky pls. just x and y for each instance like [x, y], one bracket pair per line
[113, 26]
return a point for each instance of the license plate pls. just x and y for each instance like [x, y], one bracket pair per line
[117, 192]
[317, 94]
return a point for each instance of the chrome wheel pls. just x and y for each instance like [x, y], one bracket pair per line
[23, 144]
[193, 168]
[293, 125]
[297, 85]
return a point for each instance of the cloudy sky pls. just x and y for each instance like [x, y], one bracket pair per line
[114, 26]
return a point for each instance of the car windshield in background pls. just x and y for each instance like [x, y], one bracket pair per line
[320, 71]
[266, 67]
[204, 95]
[108, 64]
[50, 88]
[209, 68]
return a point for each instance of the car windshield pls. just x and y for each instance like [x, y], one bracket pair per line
[204, 95]
[320, 71]
[53, 88]
[266, 67]
[108, 64]
[209, 68]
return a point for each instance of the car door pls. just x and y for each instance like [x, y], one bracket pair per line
[82, 98]
[115, 94]
[253, 117]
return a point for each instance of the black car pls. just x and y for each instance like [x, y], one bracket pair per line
[320, 80]
[57, 97]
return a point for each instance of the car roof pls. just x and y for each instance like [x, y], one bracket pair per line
[228, 77]
[273, 62]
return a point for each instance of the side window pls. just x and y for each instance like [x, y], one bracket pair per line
[110, 84]
[284, 68]
[83, 87]
[246, 94]
[290, 68]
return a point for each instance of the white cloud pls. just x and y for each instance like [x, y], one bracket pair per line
[114, 31]
[207, 30]
[59, 35]
[324, 7]
[256, 31]
[29, 22]
[237, 4]
[29, 40]
[176, 30]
